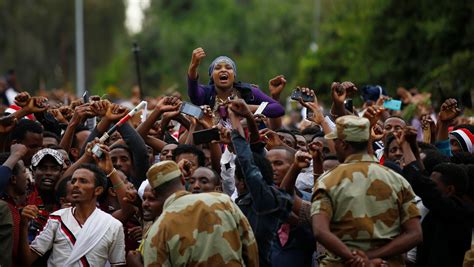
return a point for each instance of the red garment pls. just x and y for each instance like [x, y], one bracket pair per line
[16, 223]
[34, 198]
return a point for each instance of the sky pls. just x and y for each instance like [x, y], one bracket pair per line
[134, 14]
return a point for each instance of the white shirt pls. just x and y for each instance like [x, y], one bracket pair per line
[60, 234]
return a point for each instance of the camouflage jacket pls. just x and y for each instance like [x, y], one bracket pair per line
[205, 229]
[366, 202]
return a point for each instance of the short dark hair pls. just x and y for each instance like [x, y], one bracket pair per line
[312, 131]
[185, 148]
[51, 135]
[24, 126]
[166, 187]
[217, 176]
[99, 175]
[79, 128]
[3, 157]
[317, 135]
[283, 130]
[425, 146]
[470, 175]
[358, 146]
[121, 146]
[262, 163]
[433, 158]
[453, 174]
[462, 157]
[124, 147]
[289, 152]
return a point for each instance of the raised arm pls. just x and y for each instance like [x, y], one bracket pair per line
[17, 151]
[264, 199]
[80, 114]
[26, 255]
[340, 91]
[139, 152]
[195, 91]
[166, 104]
[119, 186]
[449, 111]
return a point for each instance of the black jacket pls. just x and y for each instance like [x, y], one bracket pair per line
[446, 228]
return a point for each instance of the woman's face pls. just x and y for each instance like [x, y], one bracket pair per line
[223, 75]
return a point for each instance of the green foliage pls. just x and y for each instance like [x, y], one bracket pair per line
[37, 39]
[422, 44]
[265, 38]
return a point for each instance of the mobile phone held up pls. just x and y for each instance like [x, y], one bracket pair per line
[348, 104]
[392, 104]
[297, 94]
[192, 110]
[205, 136]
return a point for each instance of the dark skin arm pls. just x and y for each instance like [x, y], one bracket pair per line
[449, 111]
[26, 255]
[410, 237]
[80, 114]
[7, 124]
[318, 116]
[105, 163]
[276, 86]
[240, 108]
[340, 91]
[316, 151]
[302, 160]
[166, 104]
[197, 56]
[214, 148]
[330, 241]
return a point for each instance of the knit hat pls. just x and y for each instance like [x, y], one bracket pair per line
[351, 128]
[465, 139]
[162, 172]
[223, 59]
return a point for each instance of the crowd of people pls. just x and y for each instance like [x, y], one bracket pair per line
[229, 179]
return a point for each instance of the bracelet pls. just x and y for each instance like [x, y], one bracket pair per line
[317, 174]
[116, 186]
[112, 172]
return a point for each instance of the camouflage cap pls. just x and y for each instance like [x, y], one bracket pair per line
[38, 157]
[351, 128]
[162, 172]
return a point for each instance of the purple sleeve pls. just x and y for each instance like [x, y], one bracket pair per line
[196, 92]
[273, 109]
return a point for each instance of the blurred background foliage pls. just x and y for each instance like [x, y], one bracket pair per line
[424, 44]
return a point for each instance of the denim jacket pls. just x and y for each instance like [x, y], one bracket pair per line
[265, 206]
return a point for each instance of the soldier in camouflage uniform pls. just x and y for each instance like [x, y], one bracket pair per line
[205, 229]
[360, 209]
